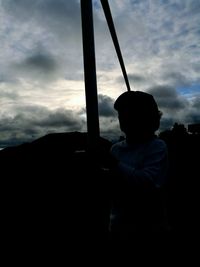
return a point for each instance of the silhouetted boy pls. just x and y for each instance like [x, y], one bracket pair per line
[141, 168]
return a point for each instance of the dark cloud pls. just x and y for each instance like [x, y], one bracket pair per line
[109, 125]
[106, 108]
[33, 122]
[110, 129]
[196, 102]
[193, 114]
[20, 8]
[133, 79]
[5, 77]
[45, 38]
[196, 66]
[136, 78]
[60, 16]
[166, 123]
[40, 62]
[168, 98]
[2, 78]
[108, 121]
[176, 108]
[194, 7]
[175, 78]
[40, 66]
[59, 119]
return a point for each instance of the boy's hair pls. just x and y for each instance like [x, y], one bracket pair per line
[140, 104]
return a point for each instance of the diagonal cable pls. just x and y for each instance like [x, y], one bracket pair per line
[111, 26]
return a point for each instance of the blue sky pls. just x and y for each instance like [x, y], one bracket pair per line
[41, 63]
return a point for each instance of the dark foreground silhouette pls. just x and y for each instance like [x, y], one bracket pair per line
[56, 197]
[183, 180]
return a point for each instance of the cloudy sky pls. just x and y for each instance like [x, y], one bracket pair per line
[41, 63]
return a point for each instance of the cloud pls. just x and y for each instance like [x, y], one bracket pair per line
[45, 34]
[168, 99]
[193, 113]
[175, 107]
[175, 78]
[196, 102]
[109, 128]
[46, 13]
[42, 63]
[108, 120]
[135, 80]
[31, 122]
[194, 7]
[7, 79]
[57, 24]
[166, 123]
[39, 67]
[106, 108]
[7, 94]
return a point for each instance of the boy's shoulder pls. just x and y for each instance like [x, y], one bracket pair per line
[157, 144]
[116, 147]
[119, 144]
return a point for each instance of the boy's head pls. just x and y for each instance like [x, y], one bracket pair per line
[138, 113]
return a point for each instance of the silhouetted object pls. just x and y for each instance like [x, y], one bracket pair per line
[55, 194]
[141, 169]
[183, 181]
[111, 27]
[179, 129]
[194, 128]
[90, 73]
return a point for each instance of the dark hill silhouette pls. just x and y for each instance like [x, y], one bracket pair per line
[51, 153]
[68, 142]
[54, 191]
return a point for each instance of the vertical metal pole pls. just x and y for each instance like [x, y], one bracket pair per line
[90, 73]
